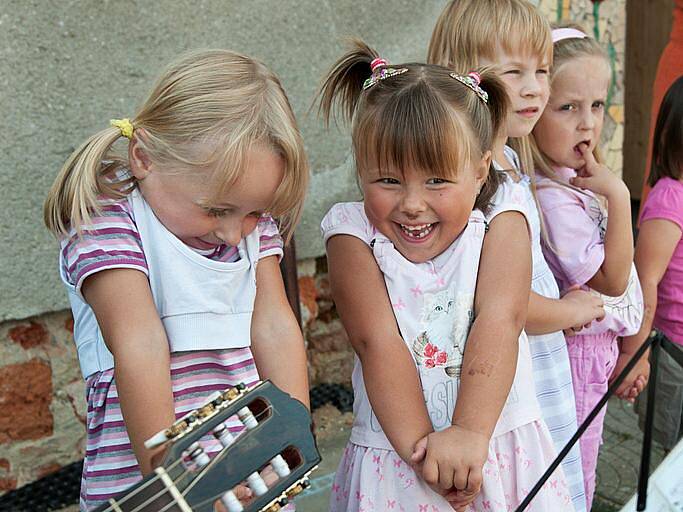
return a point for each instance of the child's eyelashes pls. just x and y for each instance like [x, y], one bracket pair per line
[395, 181]
[216, 212]
[572, 107]
[222, 212]
[437, 181]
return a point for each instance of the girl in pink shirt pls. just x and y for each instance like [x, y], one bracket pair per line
[659, 259]
[581, 248]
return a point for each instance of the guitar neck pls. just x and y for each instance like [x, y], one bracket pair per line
[153, 493]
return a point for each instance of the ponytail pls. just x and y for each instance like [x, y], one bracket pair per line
[343, 86]
[73, 195]
[497, 107]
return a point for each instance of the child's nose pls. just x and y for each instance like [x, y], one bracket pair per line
[532, 87]
[413, 203]
[230, 232]
[587, 121]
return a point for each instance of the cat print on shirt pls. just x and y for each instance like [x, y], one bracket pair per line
[446, 319]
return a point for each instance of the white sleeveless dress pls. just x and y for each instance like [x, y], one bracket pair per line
[433, 304]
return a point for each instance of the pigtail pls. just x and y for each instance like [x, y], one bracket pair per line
[343, 85]
[73, 195]
[498, 101]
[497, 107]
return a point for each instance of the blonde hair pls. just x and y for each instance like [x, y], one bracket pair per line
[470, 30]
[422, 118]
[564, 51]
[216, 98]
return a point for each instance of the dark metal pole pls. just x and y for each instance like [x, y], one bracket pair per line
[289, 276]
[582, 428]
[644, 475]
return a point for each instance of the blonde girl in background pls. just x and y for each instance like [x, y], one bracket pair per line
[169, 253]
[444, 411]
[514, 37]
[583, 248]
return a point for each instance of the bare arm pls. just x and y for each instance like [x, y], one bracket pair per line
[454, 457]
[389, 372]
[276, 340]
[122, 302]
[657, 241]
[500, 311]
[574, 310]
[612, 277]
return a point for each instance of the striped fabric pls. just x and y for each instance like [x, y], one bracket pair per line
[112, 240]
[110, 466]
[549, 356]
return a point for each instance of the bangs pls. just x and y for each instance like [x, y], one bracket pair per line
[526, 34]
[231, 157]
[417, 131]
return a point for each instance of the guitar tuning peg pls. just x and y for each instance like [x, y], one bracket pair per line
[257, 484]
[280, 466]
[157, 439]
[223, 435]
[197, 455]
[231, 502]
[247, 417]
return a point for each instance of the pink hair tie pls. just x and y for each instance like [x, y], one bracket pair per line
[377, 63]
[475, 76]
[559, 34]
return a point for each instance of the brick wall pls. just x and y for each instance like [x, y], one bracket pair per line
[41, 398]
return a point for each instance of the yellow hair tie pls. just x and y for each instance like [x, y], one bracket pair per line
[124, 125]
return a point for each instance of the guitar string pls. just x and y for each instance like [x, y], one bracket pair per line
[147, 484]
[213, 462]
[196, 479]
[216, 460]
[156, 477]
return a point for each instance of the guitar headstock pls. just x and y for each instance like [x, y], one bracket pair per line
[277, 443]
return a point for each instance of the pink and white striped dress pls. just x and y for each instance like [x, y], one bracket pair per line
[112, 240]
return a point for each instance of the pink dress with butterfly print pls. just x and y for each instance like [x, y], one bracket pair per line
[433, 305]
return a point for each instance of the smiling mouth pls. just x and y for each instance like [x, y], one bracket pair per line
[205, 244]
[418, 231]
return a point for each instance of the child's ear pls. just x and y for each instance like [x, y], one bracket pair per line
[482, 170]
[140, 163]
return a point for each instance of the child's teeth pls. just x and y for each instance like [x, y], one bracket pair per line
[417, 231]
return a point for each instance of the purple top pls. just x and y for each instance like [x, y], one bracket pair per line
[665, 201]
[574, 248]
